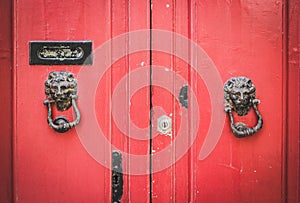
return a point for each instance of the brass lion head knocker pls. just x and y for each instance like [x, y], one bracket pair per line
[239, 96]
[61, 89]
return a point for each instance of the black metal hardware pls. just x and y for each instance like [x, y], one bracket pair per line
[240, 96]
[117, 177]
[61, 89]
[183, 96]
[60, 53]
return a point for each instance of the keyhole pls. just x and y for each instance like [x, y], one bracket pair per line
[165, 125]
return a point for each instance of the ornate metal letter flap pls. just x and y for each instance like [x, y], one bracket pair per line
[60, 53]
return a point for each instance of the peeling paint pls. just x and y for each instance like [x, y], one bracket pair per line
[231, 167]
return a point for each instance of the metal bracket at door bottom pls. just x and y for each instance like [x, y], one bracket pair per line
[117, 177]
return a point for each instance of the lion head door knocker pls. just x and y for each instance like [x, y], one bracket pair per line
[61, 90]
[239, 96]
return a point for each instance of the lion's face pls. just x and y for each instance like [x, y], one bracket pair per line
[60, 86]
[239, 94]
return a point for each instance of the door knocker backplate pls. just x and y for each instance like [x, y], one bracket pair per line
[240, 96]
[61, 90]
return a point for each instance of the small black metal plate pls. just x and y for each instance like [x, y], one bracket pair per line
[117, 177]
[60, 53]
[183, 96]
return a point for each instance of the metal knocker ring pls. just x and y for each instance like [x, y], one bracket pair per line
[240, 96]
[61, 89]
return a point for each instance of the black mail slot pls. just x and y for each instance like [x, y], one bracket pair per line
[60, 53]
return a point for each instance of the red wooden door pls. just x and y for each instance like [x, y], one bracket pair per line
[145, 53]
[53, 167]
[240, 39]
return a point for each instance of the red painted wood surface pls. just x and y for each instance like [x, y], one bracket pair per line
[174, 183]
[136, 188]
[52, 167]
[251, 46]
[293, 100]
[241, 38]
[5, 102]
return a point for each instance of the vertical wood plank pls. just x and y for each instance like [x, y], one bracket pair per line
[245, 38]
[170, 184]
[52, 167]
[6, 101]
[127, 17]
[162, 181]
[292, 24]
[139, 102]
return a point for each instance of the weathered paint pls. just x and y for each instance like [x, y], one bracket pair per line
[53, 167]
[248, 42]
[5, 102]
[241, 37]
[293, 99]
